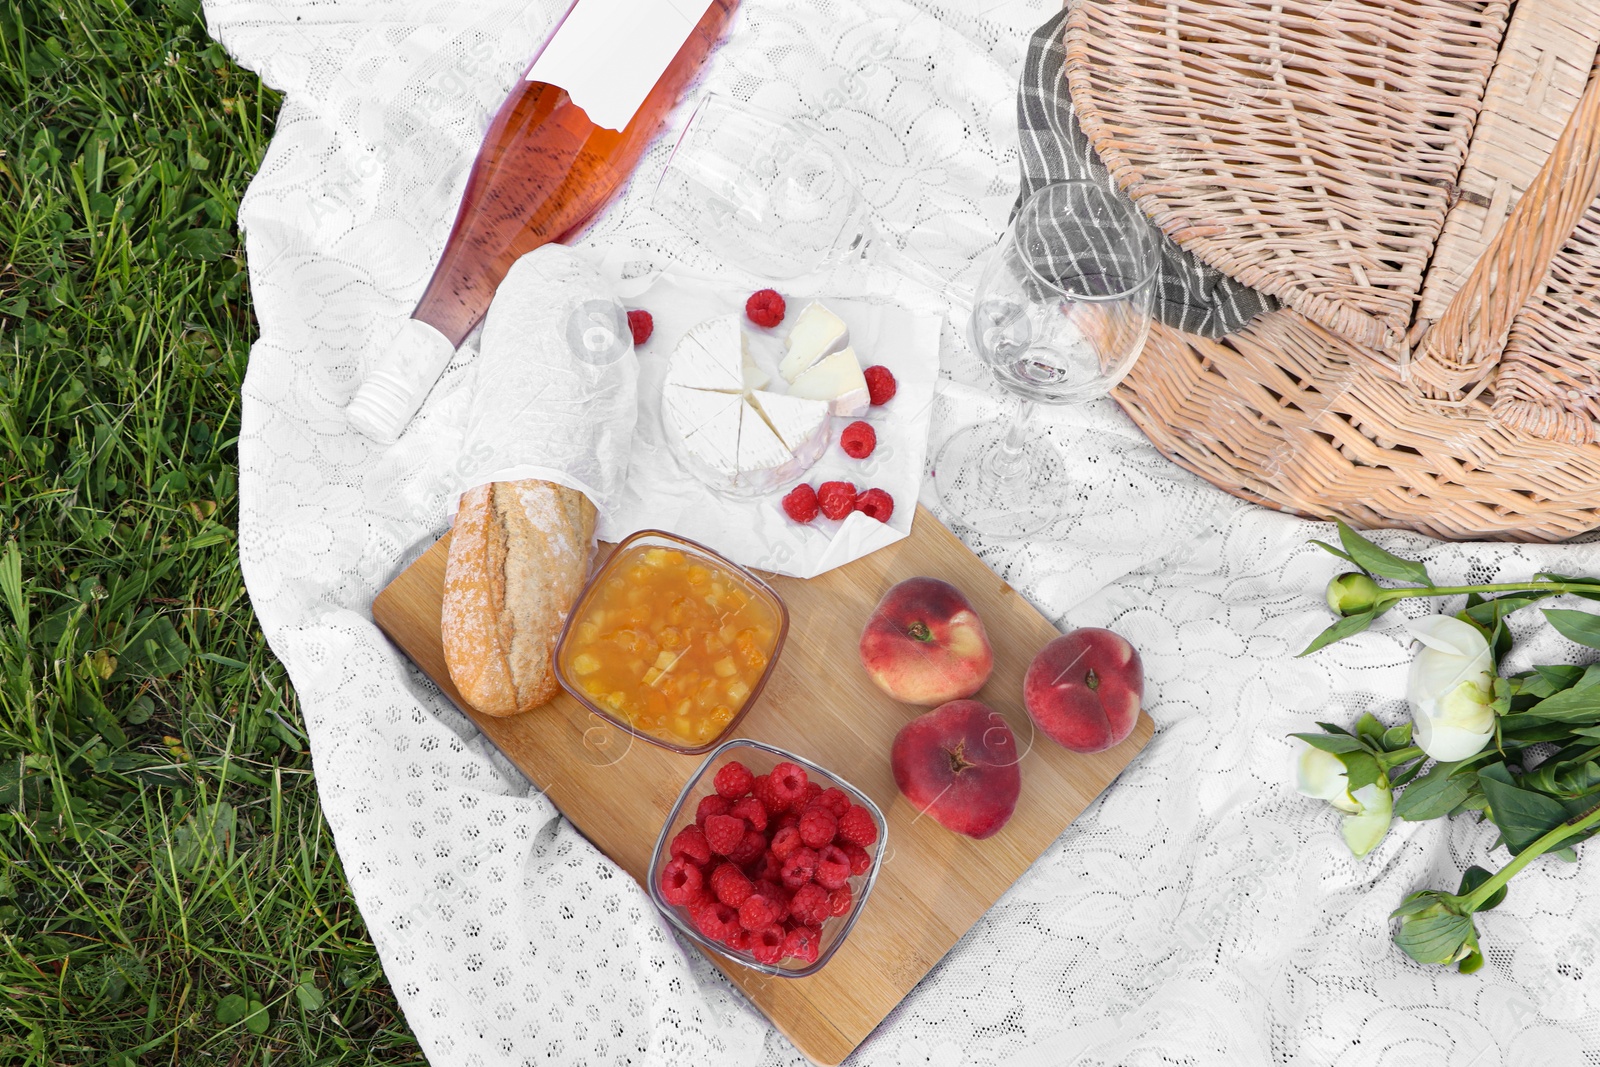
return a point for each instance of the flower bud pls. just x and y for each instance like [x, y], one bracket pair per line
[1352, 594]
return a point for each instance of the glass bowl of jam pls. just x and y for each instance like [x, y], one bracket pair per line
[671, 642]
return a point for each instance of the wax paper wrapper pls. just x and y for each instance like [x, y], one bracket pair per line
[754, 531]
[555, 389]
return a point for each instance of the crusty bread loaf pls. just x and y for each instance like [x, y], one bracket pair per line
[518, 557]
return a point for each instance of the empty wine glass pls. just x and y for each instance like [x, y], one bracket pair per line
[777, 196]
[771, 194]
[1060, 314]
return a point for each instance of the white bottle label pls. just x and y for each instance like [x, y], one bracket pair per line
[609, 54]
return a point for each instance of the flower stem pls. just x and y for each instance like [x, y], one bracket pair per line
[1390, 760]
[1391, 596]
[1473, 900]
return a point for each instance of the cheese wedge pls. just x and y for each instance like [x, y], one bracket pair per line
[800, 423]
[707, 426]
[710, 356]
[817, 332]
[836, 379]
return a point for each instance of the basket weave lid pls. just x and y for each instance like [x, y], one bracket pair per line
[1308, 148]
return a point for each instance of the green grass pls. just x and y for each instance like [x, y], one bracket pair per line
[169, 892]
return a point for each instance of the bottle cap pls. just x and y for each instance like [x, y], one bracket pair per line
[396, 386]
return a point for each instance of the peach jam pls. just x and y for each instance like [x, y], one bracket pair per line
[671, 643]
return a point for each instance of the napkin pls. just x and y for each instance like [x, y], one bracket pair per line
[555, 387]
[754, 531]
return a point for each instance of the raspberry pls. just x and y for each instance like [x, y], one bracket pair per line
[802, 943]
[691, 844]
[800, 503]
[875, 504]
[753, 845]
[788, 818]
[880, 385]
[817, 827]
[836, 499]
[739, 940]
[763, 790]
[858, 439]
[767, 868]
[733, 780]
[833, 867]
[785, 841]
[813, 791]
[724, 833]
[715, 919]
[765, 308]
[751, 811]
[860, 859]
[681, 883]
[641, 325]
[757, 911]
[839, 901]
[857, 828]
[809, 904]
[709, 806]
[729, 885]
[779, 896]
[799, 867]
[789, 783]
[833, 800]
[766, 944]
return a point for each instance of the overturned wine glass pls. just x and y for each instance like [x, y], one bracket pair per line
[1059, 316]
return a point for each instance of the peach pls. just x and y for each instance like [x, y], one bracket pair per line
[958, 764]
[924, 644]
[1083, 690]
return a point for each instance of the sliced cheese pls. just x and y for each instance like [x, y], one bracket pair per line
[760, 449]
[817, 332]
[836, 379]
[710, 356]
[801, 424]
[707, 424]
[753, 376]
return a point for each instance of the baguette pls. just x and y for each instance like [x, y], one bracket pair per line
[518, 557]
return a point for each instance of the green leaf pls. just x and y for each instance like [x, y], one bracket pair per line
[1575, 705]
[1522, 815]
[1436, 794]
[306, 994]
[1338, 744]
[1547, 681]
[1346, 627]
[1582, 627]
[1369, 557]
[11, 586]
[1396, 737]
[234, 1008]
[1369, 727]
[140, 710]
[207, 829]
[154, 651]
[1336, 551]
[1472, 878]
[202, 243]
[1361, 768]
[1490, 612]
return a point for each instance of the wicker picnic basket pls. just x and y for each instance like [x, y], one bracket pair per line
[1417, 184]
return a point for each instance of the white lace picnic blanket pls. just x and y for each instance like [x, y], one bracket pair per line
[1199, 913]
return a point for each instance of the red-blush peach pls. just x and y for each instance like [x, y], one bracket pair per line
[958, 764]
[924, 643]
[1083, 690]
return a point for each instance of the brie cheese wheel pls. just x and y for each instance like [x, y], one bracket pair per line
[838, 380]
[801, 424]
[710, 356]
[817, 332]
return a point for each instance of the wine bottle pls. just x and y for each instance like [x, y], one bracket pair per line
[545, 168]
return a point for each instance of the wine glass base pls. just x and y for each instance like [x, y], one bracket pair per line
[993, 502]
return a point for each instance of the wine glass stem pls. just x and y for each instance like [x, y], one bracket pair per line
[1008, 464]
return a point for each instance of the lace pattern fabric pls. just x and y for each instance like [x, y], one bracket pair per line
[1200, 912]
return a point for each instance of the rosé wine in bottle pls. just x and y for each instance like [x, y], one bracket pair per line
[544, 170]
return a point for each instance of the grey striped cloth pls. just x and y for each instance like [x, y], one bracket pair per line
[1192, 297]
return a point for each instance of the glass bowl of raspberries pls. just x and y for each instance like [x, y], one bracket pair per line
[767, 858]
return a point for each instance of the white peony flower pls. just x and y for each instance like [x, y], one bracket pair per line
[1451, 688]
[1368, 811]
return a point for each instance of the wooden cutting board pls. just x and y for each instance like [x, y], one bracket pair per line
[820, 704]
